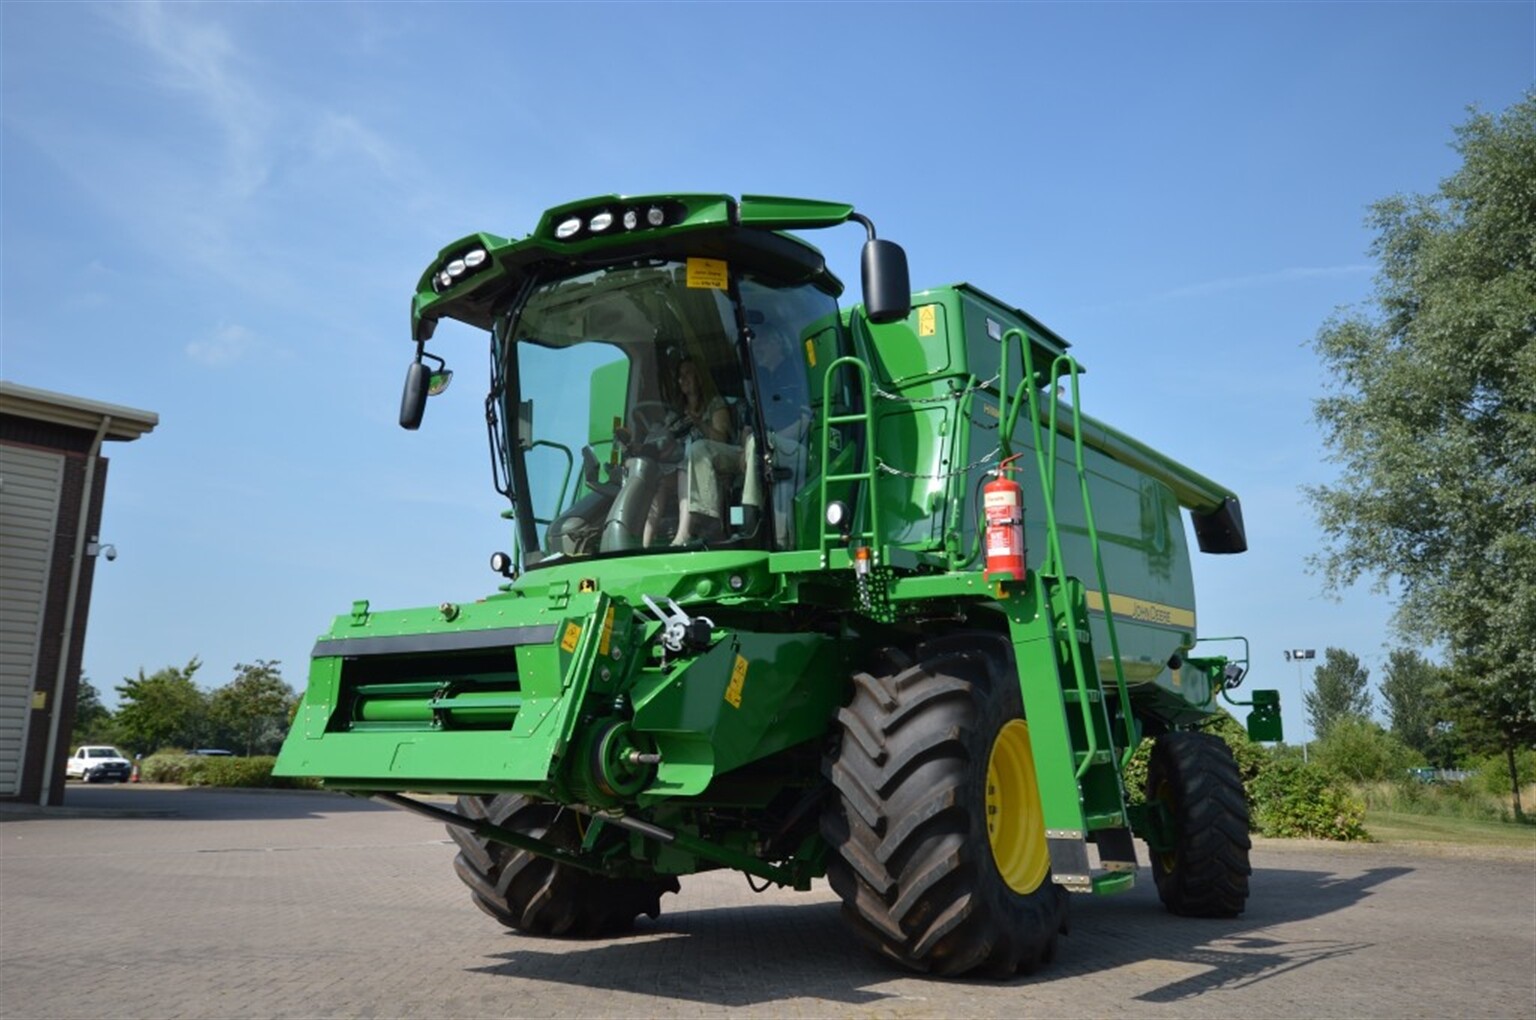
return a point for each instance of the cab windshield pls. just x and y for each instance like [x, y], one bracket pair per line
[658, 405]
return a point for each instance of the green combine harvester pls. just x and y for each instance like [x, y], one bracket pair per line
[799, 591]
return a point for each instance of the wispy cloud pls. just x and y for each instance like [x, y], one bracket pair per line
[228, 344]
[1281, 276]
[198, 58]
[339, 137]
[210, 162]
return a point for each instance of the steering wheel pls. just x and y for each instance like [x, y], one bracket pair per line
[649, 416]
[653, 437]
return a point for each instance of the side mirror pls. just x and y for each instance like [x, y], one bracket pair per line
[413, 402]
[887, 289]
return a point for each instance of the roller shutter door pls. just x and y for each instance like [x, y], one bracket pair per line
[30, 483]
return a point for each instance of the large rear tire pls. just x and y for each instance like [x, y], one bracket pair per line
[1206, 873]
[536, 895]
[938, 837]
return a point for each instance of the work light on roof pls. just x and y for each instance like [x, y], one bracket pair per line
[654, 216]
[601, 222]
[475, 259]
[444, 280]
[568, 228]
[455, 268]
[631, 219]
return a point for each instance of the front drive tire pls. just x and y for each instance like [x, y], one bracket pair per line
[928, 753]
[536, 895]
[1206, 873]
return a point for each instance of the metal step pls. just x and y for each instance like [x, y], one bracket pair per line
[1117, 849]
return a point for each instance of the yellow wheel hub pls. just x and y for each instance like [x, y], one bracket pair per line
[1015, 821]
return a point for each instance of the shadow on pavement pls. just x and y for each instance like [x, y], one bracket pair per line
[137, 800]
[724, 957]
[1206, 954]
[751, 956]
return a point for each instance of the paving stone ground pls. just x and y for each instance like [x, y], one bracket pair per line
[155, 902]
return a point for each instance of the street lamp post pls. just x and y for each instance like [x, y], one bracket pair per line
[1298, 655]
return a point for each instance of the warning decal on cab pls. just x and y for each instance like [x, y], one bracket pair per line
[927, 320]
[708, 274]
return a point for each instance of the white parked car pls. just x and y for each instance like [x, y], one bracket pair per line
[98, 761]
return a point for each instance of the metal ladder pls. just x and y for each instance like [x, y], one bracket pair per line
[1087, 797]
[868, 507]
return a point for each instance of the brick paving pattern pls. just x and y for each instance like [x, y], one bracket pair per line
[199, 903]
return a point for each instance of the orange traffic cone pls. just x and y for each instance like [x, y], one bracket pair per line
[133, 777]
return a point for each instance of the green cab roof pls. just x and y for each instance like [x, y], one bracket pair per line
[475, 275]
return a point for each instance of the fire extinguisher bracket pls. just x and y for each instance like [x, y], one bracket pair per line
[1002, 501]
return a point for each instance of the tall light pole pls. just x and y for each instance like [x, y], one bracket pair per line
[1298, 655]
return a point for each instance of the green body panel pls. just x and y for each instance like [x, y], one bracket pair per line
[951, 342]
[567, 684]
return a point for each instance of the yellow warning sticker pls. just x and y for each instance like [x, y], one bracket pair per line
[708, 274]
[607, 635]
[927, 320]
[570, 637]
[810, 352]
[738, 681]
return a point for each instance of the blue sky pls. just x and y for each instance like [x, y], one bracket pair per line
[218, 212]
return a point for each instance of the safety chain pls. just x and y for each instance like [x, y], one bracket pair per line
[953, 395]
[883, 466]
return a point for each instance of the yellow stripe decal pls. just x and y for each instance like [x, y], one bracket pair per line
[1143, 611]
[607, 634]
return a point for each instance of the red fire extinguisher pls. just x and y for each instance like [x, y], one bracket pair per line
[1003, 502]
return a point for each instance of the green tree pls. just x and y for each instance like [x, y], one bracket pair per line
[1432, 419]
[254, 705]
[1340, 690]
[1362, 752]
[1419, 711]
[1489, 725]
[163, 709]
[93, 720]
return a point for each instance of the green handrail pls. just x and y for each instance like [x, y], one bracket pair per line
[1028, 392]
[1129, 747]
[867, 501]
[1052, 565]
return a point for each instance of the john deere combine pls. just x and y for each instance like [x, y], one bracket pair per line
[796, 591]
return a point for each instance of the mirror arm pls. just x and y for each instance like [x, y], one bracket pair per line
[413, 400]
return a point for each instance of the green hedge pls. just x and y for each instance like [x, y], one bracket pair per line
[1292, 798]
[1286, 797]
[203, 770]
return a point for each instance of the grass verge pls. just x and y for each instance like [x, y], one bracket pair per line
[1402, 827]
